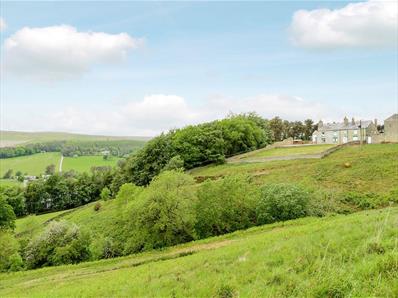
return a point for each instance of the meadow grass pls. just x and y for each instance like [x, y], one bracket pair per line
[287, 151]
[337, 256]
[31, 164]
[10, 182]
[85, 163]
[35, 223]
[370, 168]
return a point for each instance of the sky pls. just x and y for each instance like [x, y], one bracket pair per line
[140, 68]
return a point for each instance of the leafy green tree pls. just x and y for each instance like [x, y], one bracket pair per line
[15, 197]
[50, 170]
[276, 126]
[60, 243]
[175, 163]
[163, 214]
[7, 215]
[309, 128]
[279, 202]
[225, 205]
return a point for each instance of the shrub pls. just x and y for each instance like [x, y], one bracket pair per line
[104, 248]
[9, 256]
[97, 206]
[225, 205]
[364, 200]
[60, 243]
[279, 202]
[105, 194]
[163, 215]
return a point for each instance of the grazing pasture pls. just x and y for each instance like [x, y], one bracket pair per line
[346, 255]
[31, 164]
[369, 169]
[85, 163]
[286, 151]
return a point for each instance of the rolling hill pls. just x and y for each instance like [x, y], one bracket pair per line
[337, 256]
[13, 138]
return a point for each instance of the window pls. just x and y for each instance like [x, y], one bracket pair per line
[355, 132]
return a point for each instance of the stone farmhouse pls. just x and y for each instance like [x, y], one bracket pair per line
[356, 131]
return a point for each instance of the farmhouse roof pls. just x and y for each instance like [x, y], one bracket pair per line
[343, 126]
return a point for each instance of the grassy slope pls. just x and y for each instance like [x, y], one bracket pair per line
[337, 256]
[31, 164]
[374, 168]
[84, 163]
[286, 151]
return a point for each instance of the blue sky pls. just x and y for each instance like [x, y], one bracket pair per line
[186, 62]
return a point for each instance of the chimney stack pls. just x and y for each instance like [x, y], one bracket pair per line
[320, 124]
[353, 121]
[376, 122]
[345, 121]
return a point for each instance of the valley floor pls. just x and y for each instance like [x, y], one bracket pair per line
[336, 256]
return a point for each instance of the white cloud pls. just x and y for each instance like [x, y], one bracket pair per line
[156, 113]
[3, 25]
[364, 24]
[60, 52]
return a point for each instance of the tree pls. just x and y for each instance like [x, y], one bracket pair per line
[276, 126]
[225, 205]
[7, 215]
[163, 214]
[60, 243]
[308, 129]
[50, 169]
[8, 174]
[279, 202]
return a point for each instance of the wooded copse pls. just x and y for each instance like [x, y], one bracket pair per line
[75, 148]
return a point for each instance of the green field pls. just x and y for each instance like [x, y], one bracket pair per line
[9, 182]
[286, 151]
[36, 164]
[31, 164]
[338, 256]
[84, 163]
[371, 168]
[12, 138]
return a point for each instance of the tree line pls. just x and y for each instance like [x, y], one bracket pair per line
[283, 129]
[171, 210]
[118, 148]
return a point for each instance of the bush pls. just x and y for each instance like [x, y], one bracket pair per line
[163, 215]
[60, 243]
[225, 205]
[104, 248]
[279, 202]
[97, 206]
[127, 193]
[367, 200]
[10, 260]
[105, 194]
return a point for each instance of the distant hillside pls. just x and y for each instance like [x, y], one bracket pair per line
[13, 138]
